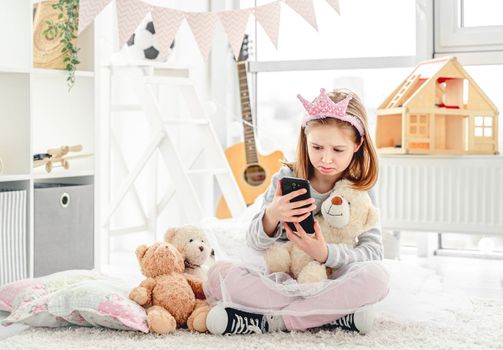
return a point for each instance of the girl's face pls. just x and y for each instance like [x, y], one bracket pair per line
[330, 150]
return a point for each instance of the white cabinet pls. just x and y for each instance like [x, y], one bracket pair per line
[38, 112]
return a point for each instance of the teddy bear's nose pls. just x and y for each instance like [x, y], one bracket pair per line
[201, 248]
[337, 200]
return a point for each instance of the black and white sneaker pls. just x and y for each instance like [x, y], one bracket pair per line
[226, 321]
[361, 321]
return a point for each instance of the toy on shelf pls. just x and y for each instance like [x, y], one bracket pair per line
[438, 109]
[55, 156]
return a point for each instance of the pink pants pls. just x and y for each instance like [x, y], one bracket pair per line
[369, 285]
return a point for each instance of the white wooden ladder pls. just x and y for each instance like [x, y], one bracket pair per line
[146, 81]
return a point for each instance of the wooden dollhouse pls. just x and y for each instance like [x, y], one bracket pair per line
[438, 109]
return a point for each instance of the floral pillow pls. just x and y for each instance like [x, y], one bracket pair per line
[102, 303]
[17, 293]
[35, 313]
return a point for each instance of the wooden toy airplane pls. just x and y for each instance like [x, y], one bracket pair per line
[59, 156]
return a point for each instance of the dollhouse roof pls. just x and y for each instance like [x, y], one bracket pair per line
[427, 73]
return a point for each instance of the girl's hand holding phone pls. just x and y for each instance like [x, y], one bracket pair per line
[282, 210]
[314, 246]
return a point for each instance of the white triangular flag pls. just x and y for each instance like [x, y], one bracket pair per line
[166, 24]
[335, 6]
[88, 10]
[202, 25]
[268, 16]
[234, 23]
[304, 8]
[129, 15]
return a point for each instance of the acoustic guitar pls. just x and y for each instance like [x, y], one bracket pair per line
[252, 171]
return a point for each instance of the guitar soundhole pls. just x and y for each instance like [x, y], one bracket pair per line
[254, 175]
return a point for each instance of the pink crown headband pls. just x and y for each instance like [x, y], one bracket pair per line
[323, 107]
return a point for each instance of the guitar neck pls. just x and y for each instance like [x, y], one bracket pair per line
[246, 115]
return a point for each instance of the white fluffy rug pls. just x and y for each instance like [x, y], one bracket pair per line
[479, 329]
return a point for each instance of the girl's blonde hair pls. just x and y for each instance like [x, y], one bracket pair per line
[364, 167]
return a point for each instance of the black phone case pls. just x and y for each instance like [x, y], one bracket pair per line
[290, 184]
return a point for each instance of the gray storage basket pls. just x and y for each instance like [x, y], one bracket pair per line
[63, 228]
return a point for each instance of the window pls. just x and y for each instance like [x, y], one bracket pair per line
[481, 13]
[470, 29]
[342, 36]
[368, 34]
[483, 126]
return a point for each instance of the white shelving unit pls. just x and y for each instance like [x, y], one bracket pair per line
[37, 112]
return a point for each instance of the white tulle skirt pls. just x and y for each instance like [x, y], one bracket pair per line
[413, 293]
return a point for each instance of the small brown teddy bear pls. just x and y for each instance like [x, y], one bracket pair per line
[191, 242]
[346, 213]
[168, 294]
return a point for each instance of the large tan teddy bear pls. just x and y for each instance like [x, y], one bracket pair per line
[345, 214]
[192, 243]
[168, 294]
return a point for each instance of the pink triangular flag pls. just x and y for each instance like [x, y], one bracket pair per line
[234, 23]
[130, 13]
[202, 25]
[304, 8]
[88, 10]
[268, 17]
[335, 6]
[166, 24]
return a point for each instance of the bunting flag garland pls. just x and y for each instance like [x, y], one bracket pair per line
[335, 6]
[167, 22]
[305, 8]
[130, 13]
[202, 24]
[234, 23]
[88, 10]
[268, 17]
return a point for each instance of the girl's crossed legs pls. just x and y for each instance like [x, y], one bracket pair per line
[365, 285]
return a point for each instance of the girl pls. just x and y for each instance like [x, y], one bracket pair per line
[334, 144]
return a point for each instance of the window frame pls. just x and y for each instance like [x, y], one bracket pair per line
[472, 45]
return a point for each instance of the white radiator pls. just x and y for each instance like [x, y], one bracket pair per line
[441, 194]
[13, 248]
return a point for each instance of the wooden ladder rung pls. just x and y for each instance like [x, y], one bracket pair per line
[395, 101]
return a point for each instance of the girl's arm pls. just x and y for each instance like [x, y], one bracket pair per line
[369, 246]
[266, 227]
[256, 237]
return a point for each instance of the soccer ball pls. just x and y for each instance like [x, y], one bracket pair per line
[143, 44]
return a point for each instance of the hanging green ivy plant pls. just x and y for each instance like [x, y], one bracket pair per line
[66, 26]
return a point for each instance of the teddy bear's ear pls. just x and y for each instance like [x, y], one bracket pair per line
[168, 237]
[140, 252]
[372, 217]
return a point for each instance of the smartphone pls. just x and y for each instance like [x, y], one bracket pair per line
[290, 184]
